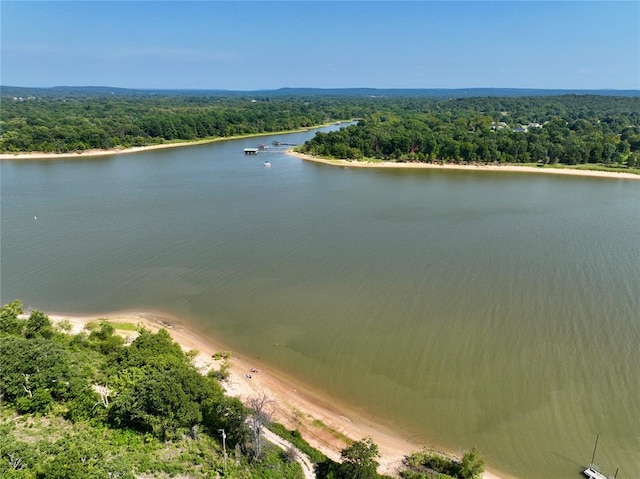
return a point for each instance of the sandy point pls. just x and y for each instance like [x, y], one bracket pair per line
[513, 168]
[326, 428]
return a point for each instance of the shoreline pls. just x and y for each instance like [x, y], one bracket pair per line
[479, 167]
[97, 153]
[325, 426]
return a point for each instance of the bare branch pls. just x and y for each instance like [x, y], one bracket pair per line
[260, 412]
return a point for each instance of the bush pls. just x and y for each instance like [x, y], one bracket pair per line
[9, 322]
[426, 464]
[296, 439]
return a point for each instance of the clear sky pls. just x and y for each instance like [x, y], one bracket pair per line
[245, 45]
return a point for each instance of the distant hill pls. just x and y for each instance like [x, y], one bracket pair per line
[100, 91]
[447, 92]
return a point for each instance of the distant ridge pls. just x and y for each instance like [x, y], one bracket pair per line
[450, 92]
[76, 91]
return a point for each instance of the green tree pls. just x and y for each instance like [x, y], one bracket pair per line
[359, 460]
[226, 414]
[168, 397]
[102, 337]
[9, 322]
[471, 465]
[29, 365]
[38, 325]
[147, 347]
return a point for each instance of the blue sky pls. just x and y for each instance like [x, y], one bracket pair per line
[245, 45]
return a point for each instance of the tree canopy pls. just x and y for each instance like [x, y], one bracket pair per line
[61, 124]
[114, 407]
[567, 129]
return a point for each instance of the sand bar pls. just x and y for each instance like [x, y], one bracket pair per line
[474, 167]
[293, 405]
[39, 155]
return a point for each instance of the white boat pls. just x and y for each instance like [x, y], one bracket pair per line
[267, 164]
[592, 472]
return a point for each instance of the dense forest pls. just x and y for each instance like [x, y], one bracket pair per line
[89, 406]
[569, 130]
[61, 124]
[92, 405]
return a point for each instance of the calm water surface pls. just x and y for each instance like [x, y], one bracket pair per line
[460, 308]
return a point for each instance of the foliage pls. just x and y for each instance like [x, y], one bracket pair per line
[63, 123]
[9, 322]
[222, 355]
[38, 325]
[296, 439]
[423, 465]
[566, 129]
[87, 406]
[162, 402]
[275, 465]
[471, 465]
[358, 462]
[226, 414]
[52, 447]
[359, 459]
[222, 372]
[31, 367]
[148, 348]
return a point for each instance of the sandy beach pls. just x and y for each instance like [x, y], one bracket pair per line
[477, 167]
[324, 427]
[38, 155]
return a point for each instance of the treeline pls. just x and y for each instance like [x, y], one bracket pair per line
[71, 123]
[568, 129]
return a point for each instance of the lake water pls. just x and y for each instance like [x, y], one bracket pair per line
[461, 308]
